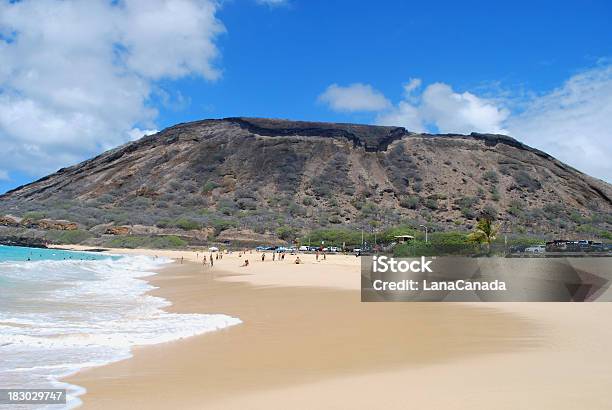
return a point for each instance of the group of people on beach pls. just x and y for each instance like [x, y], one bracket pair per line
[212, 257]
[217, 256]
[208, 260]
[281, 257]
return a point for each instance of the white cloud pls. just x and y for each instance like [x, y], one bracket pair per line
[136, 133]
[411, 86]
[464, 113]
[355, 97]
[572, 122]
[439, 108]
[170, 38]
[403, 115]
[76, 76]
[4, 176]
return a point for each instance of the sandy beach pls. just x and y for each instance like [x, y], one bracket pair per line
[307, 341]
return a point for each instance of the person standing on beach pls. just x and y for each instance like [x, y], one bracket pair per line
[317, 256]
[212, 261]
[273, 256]
[181, 260]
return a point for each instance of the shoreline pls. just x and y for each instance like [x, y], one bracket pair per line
[300, 339]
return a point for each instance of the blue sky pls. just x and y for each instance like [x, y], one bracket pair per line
[80, 77]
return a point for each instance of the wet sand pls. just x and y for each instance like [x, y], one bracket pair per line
[304, 345]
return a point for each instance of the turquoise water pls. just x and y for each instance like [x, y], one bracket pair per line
[61, 311]
[22, 254]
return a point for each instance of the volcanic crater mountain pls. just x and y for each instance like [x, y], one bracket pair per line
[237, 177]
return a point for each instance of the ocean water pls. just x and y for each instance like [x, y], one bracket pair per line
[61, 311]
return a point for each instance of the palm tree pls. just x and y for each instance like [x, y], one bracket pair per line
[485, 232]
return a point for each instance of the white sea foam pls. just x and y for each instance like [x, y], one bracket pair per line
[59, 316]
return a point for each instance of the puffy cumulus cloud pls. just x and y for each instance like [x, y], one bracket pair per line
[76, 75]
[460, 112]
[572, 122]
[404, 115]
[354, 97]
[170, 38]
[439, 108]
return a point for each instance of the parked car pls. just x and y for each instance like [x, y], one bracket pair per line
[303, 248]
[518, 249]
[558, 245]
[583, 244]
[536, 249]
[334, 249]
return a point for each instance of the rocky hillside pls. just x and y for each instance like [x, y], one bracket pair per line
[262, 176]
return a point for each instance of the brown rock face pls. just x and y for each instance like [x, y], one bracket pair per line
[47, 224]
[118, 230]
[8, 220]
[261, 175]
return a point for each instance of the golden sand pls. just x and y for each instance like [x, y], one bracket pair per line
[308, 342]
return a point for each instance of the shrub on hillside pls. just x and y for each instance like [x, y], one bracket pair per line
[68, 237]
[410, 202]
[524, 180]
[156, 242]
[187, 224]
[34, 215]
[491, 176]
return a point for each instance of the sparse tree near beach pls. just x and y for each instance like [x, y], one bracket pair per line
[484, 232]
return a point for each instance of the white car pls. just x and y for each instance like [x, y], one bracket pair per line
[536, 249]
[303, 248]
